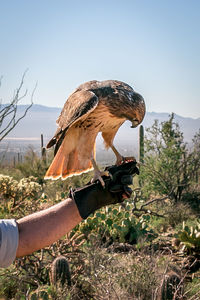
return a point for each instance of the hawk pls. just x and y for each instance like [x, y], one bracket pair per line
[95, 106]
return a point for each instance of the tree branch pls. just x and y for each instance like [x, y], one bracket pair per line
[10, 110]
[142, 208]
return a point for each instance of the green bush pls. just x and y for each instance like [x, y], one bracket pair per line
[17, 195]
[33, 165]
[192, 289]
[169, 166]
[176, 213]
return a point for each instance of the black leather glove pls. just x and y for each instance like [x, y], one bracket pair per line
[93, 196]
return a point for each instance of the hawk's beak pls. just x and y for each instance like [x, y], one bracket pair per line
[134, 123]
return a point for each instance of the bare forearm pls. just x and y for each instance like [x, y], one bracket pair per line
[43, 228]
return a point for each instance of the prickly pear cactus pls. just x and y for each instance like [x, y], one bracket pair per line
[190, 238]
[60, 271]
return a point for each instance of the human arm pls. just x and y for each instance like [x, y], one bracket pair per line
[43, 228]
[36, 231]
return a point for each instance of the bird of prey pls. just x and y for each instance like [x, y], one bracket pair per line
[95, 106]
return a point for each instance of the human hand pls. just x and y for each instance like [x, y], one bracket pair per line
[93, 196]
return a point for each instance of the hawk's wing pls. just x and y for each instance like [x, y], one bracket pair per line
[77, 107]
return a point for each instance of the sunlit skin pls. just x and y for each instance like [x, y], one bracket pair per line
[45, 227]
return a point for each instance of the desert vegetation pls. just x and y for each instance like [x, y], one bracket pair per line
[147, 248]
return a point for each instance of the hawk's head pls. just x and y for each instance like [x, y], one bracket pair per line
[136, 111]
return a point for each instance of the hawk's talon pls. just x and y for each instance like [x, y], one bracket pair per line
[122, 160]
[106, 173]
[98, 176]
[102, 182]
[110, 175]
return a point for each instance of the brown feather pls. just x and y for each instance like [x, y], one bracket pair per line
[93, 107]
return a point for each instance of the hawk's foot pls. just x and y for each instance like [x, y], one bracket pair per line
[98, 176]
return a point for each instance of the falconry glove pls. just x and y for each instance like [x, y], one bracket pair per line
[93, 196]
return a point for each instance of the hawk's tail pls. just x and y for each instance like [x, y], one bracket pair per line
[68, 161]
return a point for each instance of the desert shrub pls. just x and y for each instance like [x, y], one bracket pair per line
[101, 275]
[10, 171]
[174, 215]
[11, 285]
[108, 276]
[177, 213]
[16, 196]
[169, 166]
[192, 289]
[124, 276]
[33, 165]
[192, 198]
[8, 186]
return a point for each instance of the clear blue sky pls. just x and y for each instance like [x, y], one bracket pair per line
[152, 45]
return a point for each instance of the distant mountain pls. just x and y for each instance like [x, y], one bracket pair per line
[42, 119]
[39, 119]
